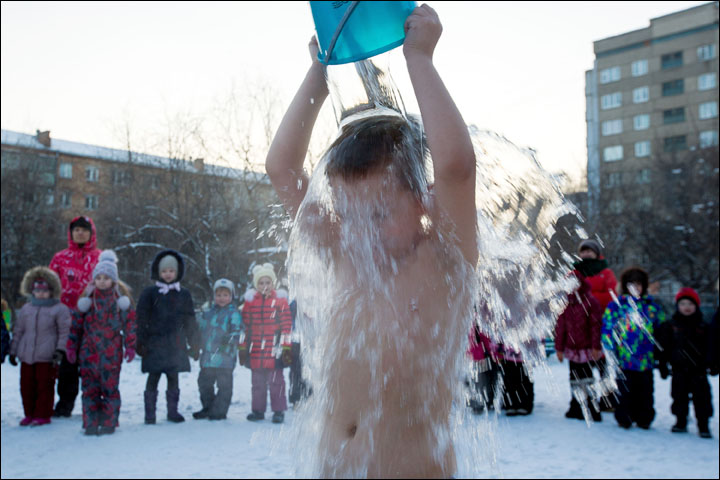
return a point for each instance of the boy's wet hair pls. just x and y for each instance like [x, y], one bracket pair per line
[634, 275]
[380, 143]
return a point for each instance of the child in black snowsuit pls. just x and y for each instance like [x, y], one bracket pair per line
[166, 326]
[684, 342]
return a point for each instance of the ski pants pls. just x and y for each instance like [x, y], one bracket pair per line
[217, 403]
[686, 384]
[519, 389]
[37, 388]
[635, 398]
[100, 396]
[274, 380]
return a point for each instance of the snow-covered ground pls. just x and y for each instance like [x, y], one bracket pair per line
[543, 445]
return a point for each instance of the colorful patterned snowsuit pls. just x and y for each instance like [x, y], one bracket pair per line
[98, 337]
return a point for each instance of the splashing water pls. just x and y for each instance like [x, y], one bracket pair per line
[385, 300]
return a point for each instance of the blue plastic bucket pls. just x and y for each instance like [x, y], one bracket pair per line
[352, 31]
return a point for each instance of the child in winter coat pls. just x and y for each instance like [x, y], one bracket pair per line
[577, 338]
[266, 347]
[684, 345]
[5, 335]
[220, 329]
[519, 390]
[594, 267]
[39, 337]
[103, 323]
[484, 373]
[166, 328]
[627, 333]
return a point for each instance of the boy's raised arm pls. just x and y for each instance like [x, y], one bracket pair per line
[447, 135]
[284, 163]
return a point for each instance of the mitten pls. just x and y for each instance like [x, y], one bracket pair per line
[13, 361]
[57, 357]
[714, 371]
[195, 353]
[286, 357]
[71, 356]
[243, 357]
[140, 349]
[664, 372]
[129, 354]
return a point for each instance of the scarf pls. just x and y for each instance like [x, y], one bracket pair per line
[589, 267]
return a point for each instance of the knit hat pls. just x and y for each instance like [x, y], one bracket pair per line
[592, 245]
[107, 265]
[225, 283]
[689, 293]
[168, 261]
[265, 270]
[82, 222]
[40, 284]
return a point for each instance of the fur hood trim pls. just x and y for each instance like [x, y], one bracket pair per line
[46, 274]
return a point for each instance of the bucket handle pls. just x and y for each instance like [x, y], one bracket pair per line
[339, 28]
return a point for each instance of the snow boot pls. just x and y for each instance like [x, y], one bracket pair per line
[256, 416]
[150, 403]
[703, 429]
[91, 431]
[574, 411]
[680, 426]
[26, 421]
[217, 416]
[595, 413]
[173, 397]
[106, 430]
[201, 414]
[37, 422]
[278, 417]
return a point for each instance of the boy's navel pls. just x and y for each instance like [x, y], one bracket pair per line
[352, 430]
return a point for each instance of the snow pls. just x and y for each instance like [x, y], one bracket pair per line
[542, 445]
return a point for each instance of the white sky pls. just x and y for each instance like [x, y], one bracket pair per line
[81, 69]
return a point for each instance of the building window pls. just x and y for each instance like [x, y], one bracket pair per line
[65, 170]
[91, 174]
[671, 60]
[66, 199]
[707, 81]
[639, 68]
[674, 115]
[610, 75]
[674, 87]
[708, 139]
[612, 100]
[120, 177]
[154, 182]
[642, 149]
[706, 52]
[641, 122]
[641, 95]
[613, 154]
[616, 205]
[676, 143]
[708, 110]
[613, 179]
[612, 127]
[50, 198]
[645, 203]
[643, 176]
[91, 202]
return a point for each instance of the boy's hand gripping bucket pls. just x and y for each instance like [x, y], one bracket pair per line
[352, 31]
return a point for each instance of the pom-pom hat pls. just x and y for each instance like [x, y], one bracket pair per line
[265, 270]
[107, 265]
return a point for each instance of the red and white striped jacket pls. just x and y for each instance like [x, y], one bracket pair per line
[267, 327]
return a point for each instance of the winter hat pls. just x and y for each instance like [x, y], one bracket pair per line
[634, 275]
[168, 261]
[107, 265]
[41, 284]
[81, 222]
[265, 270]
[225, 283]
[592, 245]
[689, 293]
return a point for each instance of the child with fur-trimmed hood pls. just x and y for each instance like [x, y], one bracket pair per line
[266, 348]
[39, 336]
[103, 323]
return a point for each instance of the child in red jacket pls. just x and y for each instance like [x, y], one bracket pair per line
[577, 338]
[266, 346]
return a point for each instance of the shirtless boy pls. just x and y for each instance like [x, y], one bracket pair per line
[401, 256]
